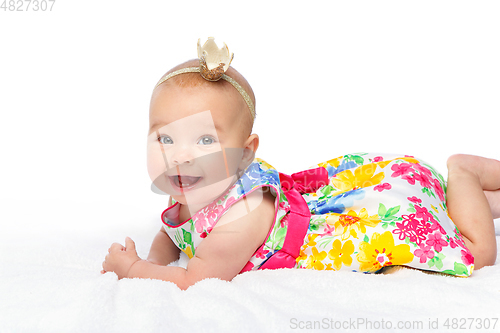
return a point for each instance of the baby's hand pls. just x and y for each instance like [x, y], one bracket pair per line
[120, 258]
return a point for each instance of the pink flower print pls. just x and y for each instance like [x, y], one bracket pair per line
[427, 228]
[261, 253]
[460, 242]
[200, 222]
[436, 241]
[284, 221]
[467, 257]
[284, 206]
[207, 217]
[424, 253]
[440, 228]
[409, 179]
[406, 228]
[423, 213]
[415, 200]
[381, 187]
[328, 230]
[423, 170]
[214, 214]
[229, 202]
[204, 234]
[423, 179]
[438, 189]
[378, 159]
[453, 243]
[401, 169]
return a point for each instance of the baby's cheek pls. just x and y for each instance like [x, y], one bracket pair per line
[155, 163]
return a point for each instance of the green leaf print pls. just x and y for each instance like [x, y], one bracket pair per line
[325, 190]
[315, 223]
[187, 237]
[388, 215]
[356, 158]
[279, 238]
[325, 241]
[366, 239]
[392, 211]
[437, 219]
[179, 239]
[437, 261]
[428, 192]
[411, 209]
[459, 269]
[381, 210]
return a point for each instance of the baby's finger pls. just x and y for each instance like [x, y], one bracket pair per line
[130, 244]
[116, 247]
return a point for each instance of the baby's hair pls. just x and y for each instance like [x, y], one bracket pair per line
[193, 80]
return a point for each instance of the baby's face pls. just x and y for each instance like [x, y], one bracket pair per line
[195, 144]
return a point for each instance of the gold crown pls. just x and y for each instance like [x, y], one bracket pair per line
[214, 61]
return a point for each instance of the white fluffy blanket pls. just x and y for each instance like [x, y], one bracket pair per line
[50, 282]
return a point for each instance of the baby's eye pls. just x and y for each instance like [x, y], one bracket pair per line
[206, 140]
[166, 140]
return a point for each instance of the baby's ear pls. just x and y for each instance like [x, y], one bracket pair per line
[252, 143]
[249, 150]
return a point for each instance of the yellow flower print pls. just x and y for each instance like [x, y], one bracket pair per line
[351, 223]
[333, 162]
[311, 240]
[302, 254]
[341, 254]
[309, 243]
[407, 159]
[314, 260]
[362, 177]
[380, 252]
[188, 251]
[265, 165]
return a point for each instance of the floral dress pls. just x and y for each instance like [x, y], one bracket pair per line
[358, 212]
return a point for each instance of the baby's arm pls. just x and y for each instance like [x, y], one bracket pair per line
[225, 251]
[163, 250]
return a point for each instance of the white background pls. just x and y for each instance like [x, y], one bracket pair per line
[415, 77]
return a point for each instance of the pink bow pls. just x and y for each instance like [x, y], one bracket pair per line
[307, 181]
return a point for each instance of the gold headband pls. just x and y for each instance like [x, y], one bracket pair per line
[214, 62]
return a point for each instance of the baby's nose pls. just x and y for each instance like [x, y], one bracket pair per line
[181, 156]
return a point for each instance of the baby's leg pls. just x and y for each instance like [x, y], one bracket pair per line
[470, 180]
[494, 201]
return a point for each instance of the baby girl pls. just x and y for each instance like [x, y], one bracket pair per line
[230, 212]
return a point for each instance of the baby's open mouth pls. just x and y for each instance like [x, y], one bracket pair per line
[184, 181]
